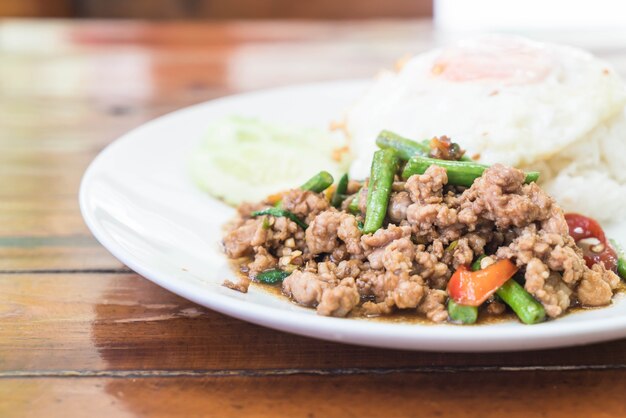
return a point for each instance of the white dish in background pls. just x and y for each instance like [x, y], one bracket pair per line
[139, 202]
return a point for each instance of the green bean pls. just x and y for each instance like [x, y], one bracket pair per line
[280, 212]
[319, 182]
[463, 314]
[272, 276]
[384, 167]
[403, 146]
[353, 207]
[340, 191]
[523, 304]
[460, 173]
[476, 263]
[621, 268]
[621, 260]
[513, 294]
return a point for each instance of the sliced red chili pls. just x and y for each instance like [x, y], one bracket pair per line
[582, 227]
[472, 288]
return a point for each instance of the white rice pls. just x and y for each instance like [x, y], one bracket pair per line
[589, 176]
[569, 124]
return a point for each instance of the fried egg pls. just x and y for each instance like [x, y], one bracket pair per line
[504, 99]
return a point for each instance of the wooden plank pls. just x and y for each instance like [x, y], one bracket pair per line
[457, 395]
[99, 322]
[35, 8]
[104, 343]
[80, 253]
[254, 9]
[40, 223]
[169, 66]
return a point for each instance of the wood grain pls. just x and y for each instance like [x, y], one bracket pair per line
[80, 335]
[57, 114]
[124, 322]
[215, 9]
[35, 8]
[511, 394]
[254, 9]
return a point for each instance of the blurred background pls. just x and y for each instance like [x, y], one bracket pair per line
[119, 47]
[447, 14]
[216, 9]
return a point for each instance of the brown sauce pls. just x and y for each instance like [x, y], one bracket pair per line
[407, 316]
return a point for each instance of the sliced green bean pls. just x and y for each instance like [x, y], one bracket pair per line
[513, 294]
[278, 212]
[384, 167]
[319, 182]
[621, 260]
[406, 148]
[463, 314]
[476, 263]
[353, 207]
[340, 191]
[523, 303]
[272, 276]
[460, 173]
[621, 268]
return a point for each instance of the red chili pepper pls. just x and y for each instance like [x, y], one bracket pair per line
[472, 288]
[582, 227]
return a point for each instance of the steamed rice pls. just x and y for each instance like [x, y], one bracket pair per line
[589, 176]
[531, 105]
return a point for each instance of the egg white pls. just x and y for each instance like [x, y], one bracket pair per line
[520, 119]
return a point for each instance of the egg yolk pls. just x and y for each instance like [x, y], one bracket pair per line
[506, 61]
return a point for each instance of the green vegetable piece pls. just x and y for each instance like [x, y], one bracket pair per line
[460, 173]
[384, 167]
[621, 260]
[476, 263]
[340, 191]
[319, 182]
[272, 276]
[462, 313]
[621, 268]
[280, 212]
[531, 177]
[513, 294]
[452, 245]
[353, 207]
[523, 304]
[405, 147]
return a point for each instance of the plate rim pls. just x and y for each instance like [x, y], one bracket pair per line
[436, 337]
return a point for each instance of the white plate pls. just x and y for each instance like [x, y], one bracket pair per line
[138, 201]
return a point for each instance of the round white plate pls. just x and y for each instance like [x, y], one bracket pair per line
[137, 199]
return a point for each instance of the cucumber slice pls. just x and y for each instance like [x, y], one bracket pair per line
[245, 159]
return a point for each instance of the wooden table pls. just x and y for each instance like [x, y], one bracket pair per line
[83, 336]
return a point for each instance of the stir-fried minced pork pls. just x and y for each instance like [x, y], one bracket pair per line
[431, 229]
